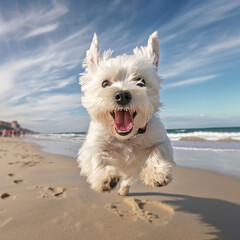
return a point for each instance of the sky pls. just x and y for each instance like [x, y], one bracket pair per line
[43, 44]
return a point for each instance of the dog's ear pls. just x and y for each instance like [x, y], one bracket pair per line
[151, 51]
[92, 56]
[153, 48]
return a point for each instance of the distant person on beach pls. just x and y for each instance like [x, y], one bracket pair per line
[9, 132]
[4, 133]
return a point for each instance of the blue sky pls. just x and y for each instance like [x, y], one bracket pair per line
[43, 43]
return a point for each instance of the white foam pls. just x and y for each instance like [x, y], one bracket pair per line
[208, 136]
[207, 149]
[75, 137]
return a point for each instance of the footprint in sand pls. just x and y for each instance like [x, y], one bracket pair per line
[25, 163]
[5, 196]
[52, 192]
[134, 209]
[23, 156]
[18, 181]
[3, 150]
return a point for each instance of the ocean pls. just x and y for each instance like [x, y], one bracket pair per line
[212, 149]
[212, 139]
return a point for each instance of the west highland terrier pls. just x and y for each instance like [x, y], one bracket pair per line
[126, 138]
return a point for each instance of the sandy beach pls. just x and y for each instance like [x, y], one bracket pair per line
[42, 196]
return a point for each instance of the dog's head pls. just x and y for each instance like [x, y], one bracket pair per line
[121, 93]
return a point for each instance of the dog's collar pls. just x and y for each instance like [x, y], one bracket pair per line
[142, 130]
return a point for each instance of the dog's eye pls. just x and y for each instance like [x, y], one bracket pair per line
[141, 82]
[106, 83]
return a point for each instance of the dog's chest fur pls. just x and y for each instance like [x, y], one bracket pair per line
[128, 154]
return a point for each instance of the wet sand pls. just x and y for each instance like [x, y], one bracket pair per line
[42, 196]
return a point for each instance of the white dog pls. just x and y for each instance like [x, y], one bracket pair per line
[126, 138]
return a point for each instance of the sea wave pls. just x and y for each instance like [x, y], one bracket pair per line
[75, 137]
[217, 146]
[198, 140]
[207, 149]
[207, 136]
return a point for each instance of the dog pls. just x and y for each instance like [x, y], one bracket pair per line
[126, 138]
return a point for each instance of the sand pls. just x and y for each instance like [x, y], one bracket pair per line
[42, 196]
[192, 139]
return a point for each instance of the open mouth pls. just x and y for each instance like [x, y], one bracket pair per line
[123, 120]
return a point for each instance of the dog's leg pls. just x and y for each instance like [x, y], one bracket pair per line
[124, 187]
[95, 165]
[103, 179]
[158, 168]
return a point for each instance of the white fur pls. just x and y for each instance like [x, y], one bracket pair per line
[107, 157]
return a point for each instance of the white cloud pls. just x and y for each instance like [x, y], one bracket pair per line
[58, 84]
[27, 79]
[201, 15]
[45, 107]
[41, 30]
[182, 64]
[64, 124]
[31, 21]
[43, 70]
[191, 81]
[6, 81]
[196, 39]
[226, 44]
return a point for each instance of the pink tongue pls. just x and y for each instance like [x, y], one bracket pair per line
[123, 121]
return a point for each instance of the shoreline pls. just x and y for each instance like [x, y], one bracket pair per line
[48, 199]
[192, 159]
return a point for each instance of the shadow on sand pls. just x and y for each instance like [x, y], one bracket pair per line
[223, 215]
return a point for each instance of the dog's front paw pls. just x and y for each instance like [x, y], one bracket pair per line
[104, 180]
[161, 182]
[155, 179]
[109, 184]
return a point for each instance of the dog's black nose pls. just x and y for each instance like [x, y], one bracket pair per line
[123, 97]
